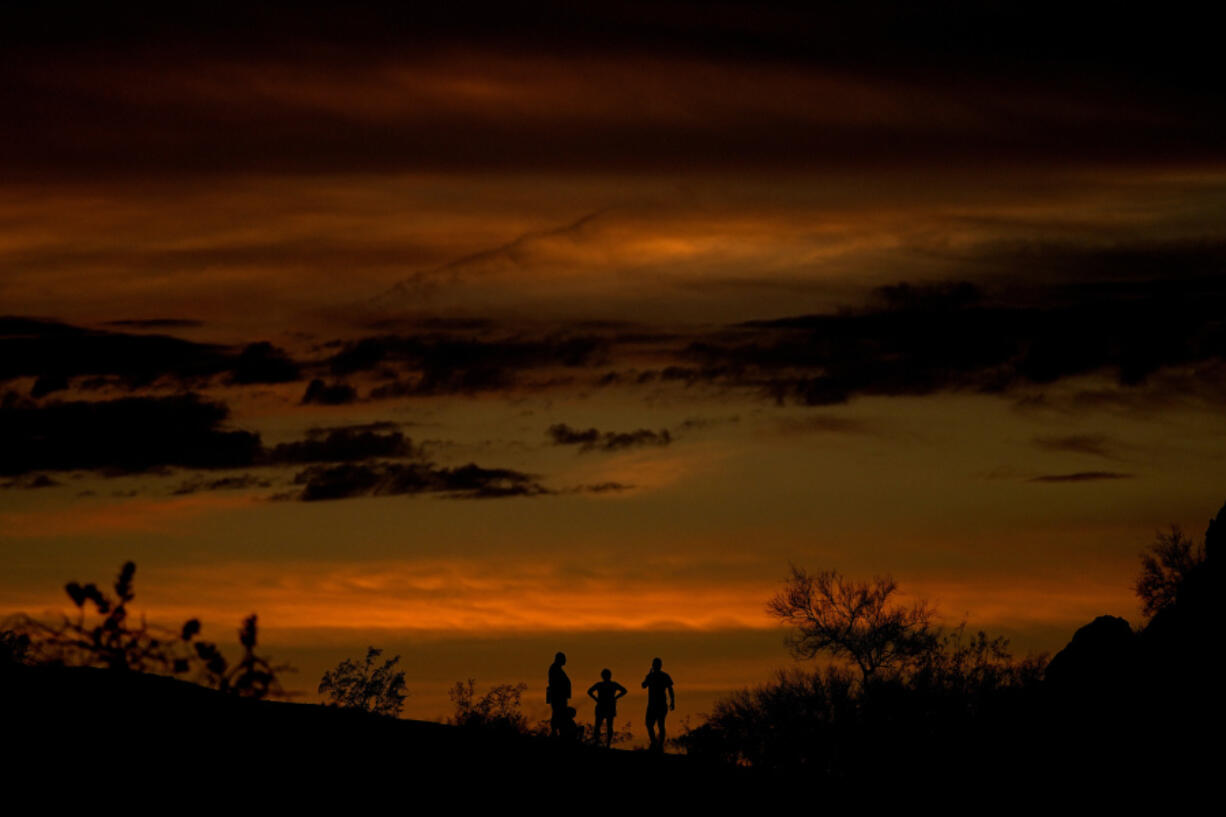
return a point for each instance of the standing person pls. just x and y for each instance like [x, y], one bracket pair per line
[605, 693]
[656, 682]
[558, 693]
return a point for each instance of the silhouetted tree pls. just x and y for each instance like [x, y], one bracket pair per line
[497, 709]
[904, 682]
[378, 690]
[1171, 562]
[858, 621]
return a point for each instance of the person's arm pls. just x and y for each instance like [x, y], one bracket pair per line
[646, 680]
[591, 693]
[672, 698]
[620, 692]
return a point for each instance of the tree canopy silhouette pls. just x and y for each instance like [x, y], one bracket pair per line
[859, 621]
[1173, 560]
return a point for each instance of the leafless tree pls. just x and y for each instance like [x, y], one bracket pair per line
[858, 621]
[1165, 569]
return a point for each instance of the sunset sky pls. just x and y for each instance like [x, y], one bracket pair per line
[480, 335]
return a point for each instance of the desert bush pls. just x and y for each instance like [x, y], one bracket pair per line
[365, 687]
[898, 691]
[498, 709]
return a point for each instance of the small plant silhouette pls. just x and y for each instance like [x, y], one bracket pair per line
[109, 638]
[593, 737]
[252, 677]
[497, 709]
[379, 691]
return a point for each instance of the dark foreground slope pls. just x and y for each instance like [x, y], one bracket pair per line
[93, 737]
[84, 732]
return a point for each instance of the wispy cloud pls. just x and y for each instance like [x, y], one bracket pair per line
[1081, 476]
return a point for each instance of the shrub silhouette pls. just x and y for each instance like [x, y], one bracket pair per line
[104, 635]
[594, 738]
[898, 680]
[377, 690]
[498, 709]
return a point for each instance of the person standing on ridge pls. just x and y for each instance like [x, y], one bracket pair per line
[656, 682]
[605, 693]
[557, 693]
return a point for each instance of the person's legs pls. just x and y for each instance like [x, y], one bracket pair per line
[653, 718]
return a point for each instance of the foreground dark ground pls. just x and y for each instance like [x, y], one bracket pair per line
[149, 738]
[91, 735]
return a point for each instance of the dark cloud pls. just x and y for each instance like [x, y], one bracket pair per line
[446, 364]
[918, 340]
[347, 444]
[592, 440]
[231, 483]
[53, 352]
[142, 434]
[30, 481]
[121, 436]
[392, 479]
[156, 323]
[264, 363]
[1081, 476]
[320, 393]
[1098, 445]
[605, 488]
[377, 426]
[694, 423]
[48, 384]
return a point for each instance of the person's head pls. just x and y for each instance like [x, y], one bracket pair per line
[606, 674]
[560, 658]
[656, 663]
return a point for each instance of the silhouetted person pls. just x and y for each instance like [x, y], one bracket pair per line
[656, 682]
[605, 693]
[557, 694]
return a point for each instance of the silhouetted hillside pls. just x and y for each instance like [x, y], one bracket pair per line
[145, 739]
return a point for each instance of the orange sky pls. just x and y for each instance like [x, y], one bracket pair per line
[609, 230]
